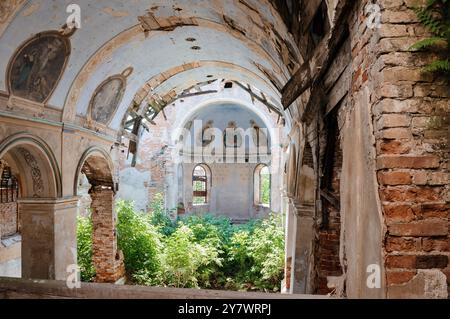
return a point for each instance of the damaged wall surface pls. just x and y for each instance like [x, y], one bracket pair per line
[362, 133]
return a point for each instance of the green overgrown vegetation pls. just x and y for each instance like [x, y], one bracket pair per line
[435, 16]
[195, 251]
[84, 248]
[265, 188]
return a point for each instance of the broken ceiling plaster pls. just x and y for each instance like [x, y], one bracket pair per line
[115, 13]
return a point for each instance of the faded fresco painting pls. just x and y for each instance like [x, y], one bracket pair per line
[107, 99]
[37, 67]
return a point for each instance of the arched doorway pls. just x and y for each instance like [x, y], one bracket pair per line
[201, 178]
[47, 222]
[262, 188]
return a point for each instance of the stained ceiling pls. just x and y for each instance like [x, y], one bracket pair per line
[170, 46]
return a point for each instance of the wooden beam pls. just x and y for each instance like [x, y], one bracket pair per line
[339, 90]
[309, 9]
[164, 114]
[262, 100]
[305, 76]
[149, 119]
[129, 136]
[331, 199]
[338, 66]
[250, 93]
[186, 95]
[314, 103]
[314, 68]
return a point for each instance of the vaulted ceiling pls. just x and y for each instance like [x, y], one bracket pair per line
[169, 45]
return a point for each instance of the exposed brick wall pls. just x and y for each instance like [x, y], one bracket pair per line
[108, 260]
[401, 117]
[8, 219]
[412, 146]
[155, 155]
[327, 253]
[308, 158]
[328, 243]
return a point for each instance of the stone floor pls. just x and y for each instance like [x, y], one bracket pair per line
[11, 288]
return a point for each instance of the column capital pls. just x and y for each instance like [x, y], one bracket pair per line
[302, 209]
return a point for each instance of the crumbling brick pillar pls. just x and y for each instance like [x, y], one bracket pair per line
[107, 258]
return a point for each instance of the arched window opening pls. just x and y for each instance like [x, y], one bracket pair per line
[200, 185]
[262, 185]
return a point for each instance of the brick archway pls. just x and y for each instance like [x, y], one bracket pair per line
[97, 166]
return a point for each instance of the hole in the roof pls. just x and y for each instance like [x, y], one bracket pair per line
[191, 39]
[196, 48]
[228, 85]
[210, 76]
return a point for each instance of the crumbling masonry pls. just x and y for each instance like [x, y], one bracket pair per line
[363, 170]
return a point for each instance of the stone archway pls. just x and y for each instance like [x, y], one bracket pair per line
[97, 166]
[47, 221]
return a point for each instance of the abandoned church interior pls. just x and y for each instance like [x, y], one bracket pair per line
[322, 113]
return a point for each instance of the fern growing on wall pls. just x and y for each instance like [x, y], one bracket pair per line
[435, 16]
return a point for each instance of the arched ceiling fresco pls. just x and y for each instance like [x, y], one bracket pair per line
[242, 40]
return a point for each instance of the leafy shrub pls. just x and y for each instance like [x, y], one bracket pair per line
[256, 255]
[209, 227]
[159, 218]
[266, 247]
[435, 16]
[265, 189]
[195, 251]
[84, 248]
[186, 263]
[212, 235]
[138, 239]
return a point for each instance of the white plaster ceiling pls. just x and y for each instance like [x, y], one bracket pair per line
[98, 45]
[222, 114]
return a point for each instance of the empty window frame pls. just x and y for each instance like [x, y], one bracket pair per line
[262, 185]
[200, 185]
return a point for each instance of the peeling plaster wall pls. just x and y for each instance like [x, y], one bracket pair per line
[133, 187]
[362, 230]
[231, 193]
